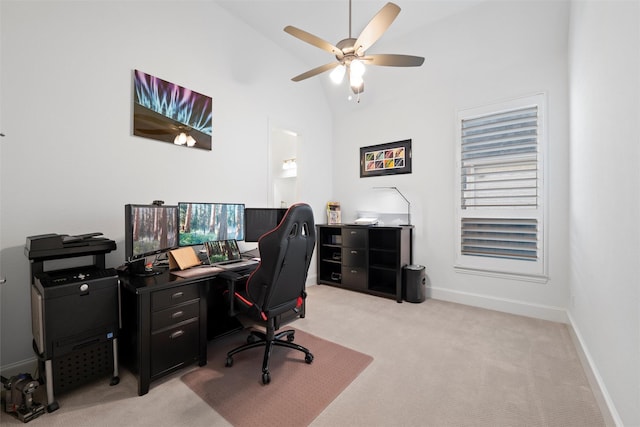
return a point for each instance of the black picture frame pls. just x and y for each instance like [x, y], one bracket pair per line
[392, 158]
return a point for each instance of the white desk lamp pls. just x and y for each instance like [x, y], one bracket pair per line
[401, 195]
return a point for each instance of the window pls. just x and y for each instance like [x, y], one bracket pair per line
[500, 213]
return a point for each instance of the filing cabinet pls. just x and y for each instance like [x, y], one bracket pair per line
[354, 257]
[175, 318]
[164, 325]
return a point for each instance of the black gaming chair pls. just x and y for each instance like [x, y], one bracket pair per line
[277, 286]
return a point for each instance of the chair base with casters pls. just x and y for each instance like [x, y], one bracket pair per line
[268, 340]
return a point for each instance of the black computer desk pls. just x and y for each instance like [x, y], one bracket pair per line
[167, 320]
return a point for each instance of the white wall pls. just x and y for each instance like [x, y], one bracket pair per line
[69, 161]
[605, 196]
[493, 52]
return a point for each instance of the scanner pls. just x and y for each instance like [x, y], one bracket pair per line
[53, 246]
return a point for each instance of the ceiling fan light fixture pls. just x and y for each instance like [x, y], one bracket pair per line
[180, 139]
[338, 74]
[191, 141]
[357, 90]
[357, 68]
[355, 81]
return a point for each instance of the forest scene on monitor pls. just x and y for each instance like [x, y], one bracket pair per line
[222, 250]
[153, 230]
[207, 222]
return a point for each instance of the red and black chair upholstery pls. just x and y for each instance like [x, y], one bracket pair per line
[277, 285]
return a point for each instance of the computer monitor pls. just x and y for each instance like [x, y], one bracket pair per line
[207, 222]
[222, 250]
[261, 220]
[149, 230]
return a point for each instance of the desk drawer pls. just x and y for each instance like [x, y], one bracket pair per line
[175, 314]
[169, 297]
[354, 237]
[354, 257]
[174, 347]
[354, 277]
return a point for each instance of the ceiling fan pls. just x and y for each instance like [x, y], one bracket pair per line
[351, 53]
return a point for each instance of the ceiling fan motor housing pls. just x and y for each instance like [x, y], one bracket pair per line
[347, 48]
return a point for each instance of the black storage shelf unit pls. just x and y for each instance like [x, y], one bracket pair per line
[364, 258]
[330, 255]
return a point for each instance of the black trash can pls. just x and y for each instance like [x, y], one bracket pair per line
[414, 283]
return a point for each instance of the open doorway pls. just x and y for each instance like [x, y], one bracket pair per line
[283, 166]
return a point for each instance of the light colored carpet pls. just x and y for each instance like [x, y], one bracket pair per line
[445, 364]
[298, 391]
[435, 364]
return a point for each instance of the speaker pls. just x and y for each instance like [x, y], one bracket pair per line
[414, 283]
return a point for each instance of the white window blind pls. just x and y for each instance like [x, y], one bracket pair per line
[500, 238]
[500, 159]
[500, 213]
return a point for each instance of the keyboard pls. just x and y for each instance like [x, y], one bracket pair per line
[237, 264]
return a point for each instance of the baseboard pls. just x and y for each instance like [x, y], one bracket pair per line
[522, 308]
[608, 409]
[21, 367]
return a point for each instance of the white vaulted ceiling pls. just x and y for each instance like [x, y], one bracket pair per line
[329, 20]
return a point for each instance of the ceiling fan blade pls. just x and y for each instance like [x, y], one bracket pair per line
[316, 71]
[392, 60]
[376, 27]
[313, 40]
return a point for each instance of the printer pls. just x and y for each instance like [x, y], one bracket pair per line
[74, 311]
